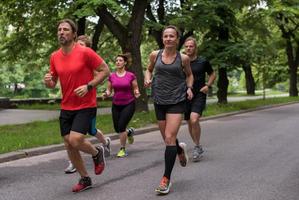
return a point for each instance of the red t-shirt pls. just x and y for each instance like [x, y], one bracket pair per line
[73, 70]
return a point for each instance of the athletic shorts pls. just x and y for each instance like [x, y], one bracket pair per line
[81, 121]
[197, 105]
[162, 110]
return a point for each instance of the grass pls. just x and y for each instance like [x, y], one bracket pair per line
[17, 137]
[55, 106]
[257, 93]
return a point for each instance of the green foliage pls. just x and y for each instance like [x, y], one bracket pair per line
[28, 35]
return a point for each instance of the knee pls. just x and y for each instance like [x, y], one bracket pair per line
[194, 120]
[169, 140]
[75, 142]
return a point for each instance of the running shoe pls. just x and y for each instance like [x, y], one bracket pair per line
[99, 161]
[122, 153]
[164, 186]
[84, 184]
[70, 168]
[131, 132]
[183, 157]
[197, 153]
[107, 147]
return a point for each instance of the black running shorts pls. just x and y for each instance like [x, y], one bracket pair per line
[197, 105]
[162, 110]
[81, 121]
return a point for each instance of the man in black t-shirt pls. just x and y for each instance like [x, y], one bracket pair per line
[195, 107]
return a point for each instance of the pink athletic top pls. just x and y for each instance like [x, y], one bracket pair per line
[122, 86]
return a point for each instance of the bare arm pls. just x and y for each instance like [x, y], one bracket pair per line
[210, 82]
[102, 72]
[108, 91]
[150, 68]
[135, 88]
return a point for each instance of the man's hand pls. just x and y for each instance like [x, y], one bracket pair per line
[81, 91]
[147, 83]
[48, 80]
[205, 89]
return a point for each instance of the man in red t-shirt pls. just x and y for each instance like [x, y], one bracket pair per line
[74, 66]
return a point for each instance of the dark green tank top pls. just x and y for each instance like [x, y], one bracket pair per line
[169, 81]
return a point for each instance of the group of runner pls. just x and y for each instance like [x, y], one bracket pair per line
[178, 87]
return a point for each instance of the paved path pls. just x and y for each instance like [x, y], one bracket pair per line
[249, 156]
[18, 116]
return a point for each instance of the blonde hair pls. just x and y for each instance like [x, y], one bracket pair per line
[194, 41]
[85, 39]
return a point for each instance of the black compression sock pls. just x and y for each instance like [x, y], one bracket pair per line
[170, 156]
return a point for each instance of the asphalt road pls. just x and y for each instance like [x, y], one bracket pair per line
[250, 156]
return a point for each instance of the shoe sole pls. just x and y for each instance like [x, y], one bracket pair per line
[103, 156]
[88, 187]
[131, 141]
[132, 133]
[108, 150]
[70, 172]
[197, 159]
[163, 192]
[183, 146]
[122, 156]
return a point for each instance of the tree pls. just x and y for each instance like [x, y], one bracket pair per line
[124, 19]
[286, 16]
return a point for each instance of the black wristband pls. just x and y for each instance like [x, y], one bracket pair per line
[89, 87]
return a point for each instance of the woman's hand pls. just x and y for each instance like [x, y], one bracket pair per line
[189, 94]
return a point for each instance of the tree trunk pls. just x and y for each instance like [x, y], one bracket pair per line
[97, 33]
[141, 103]
[293, 91]
[129, 38]
[81, 26]
[293, 66]
[250, 84]
[222, 85]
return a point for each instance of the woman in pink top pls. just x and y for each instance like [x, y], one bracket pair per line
[124, 85]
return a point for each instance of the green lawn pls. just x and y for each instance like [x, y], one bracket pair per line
[17, 137]
[55, 106]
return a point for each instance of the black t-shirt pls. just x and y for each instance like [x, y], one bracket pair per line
[200, 67]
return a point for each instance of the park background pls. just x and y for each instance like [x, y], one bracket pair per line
[252, 44]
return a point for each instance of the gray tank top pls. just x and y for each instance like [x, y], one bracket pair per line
[169, 81]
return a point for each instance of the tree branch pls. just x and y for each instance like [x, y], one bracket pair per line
[116, 28]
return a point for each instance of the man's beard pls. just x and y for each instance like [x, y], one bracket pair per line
[63, 41]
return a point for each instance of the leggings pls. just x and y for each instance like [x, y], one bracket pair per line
[121, 115]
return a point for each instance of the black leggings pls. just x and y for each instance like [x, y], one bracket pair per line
[121, 115]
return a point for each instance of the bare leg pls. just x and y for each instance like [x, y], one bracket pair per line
[100, 136]
[75, 157]
[78, 141]
[123, 139]
[162, 125]
[172, 125]
[194, 127]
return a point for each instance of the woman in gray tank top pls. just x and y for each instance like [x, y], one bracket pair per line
[169, 73]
